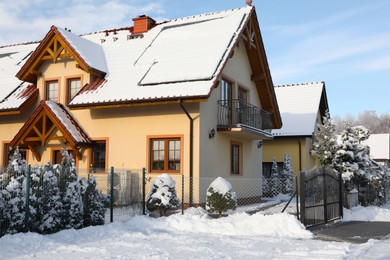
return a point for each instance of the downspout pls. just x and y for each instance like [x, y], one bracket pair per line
[191, 150]
[300, 154]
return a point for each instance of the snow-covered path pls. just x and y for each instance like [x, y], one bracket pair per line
[192, 236]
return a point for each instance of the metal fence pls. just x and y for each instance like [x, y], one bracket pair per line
[376, 192]
[125, 193]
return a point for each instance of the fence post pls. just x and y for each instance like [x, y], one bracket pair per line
[143, 191]
[341, 195]
[302, 197]
[182, 194]
[112, 196]
[325, 194]
[297, 193]
[27, 204]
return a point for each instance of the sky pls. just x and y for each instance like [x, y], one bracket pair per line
[195, 235]
[345, 43]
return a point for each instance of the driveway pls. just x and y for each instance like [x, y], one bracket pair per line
[353, 231]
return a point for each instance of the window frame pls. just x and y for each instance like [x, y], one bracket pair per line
[91, 167]
[46, 89]
[55, 150]
[236, 160]
[5, 158]
[166, 139]
[226, 91]
[68, 86]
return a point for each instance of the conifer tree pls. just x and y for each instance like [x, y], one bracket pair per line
[325, 142]
[51, 206]
[93, 203]
[287, 175]
[352, 158]
[16, 203]
[70, 192]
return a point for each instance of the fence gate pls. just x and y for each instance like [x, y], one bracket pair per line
[320, 196]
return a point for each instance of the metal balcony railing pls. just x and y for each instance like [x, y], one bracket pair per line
[238, 112]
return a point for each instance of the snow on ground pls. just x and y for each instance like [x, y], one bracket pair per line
[196, 235]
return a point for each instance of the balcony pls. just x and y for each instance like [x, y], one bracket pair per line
[238, 117]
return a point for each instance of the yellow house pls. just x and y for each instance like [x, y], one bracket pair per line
[302, 107]
[191, 96]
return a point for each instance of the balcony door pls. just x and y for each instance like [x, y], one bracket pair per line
[226, 99]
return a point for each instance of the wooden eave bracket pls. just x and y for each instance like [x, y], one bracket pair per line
[34, 151]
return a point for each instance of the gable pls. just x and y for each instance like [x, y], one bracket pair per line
[300, 106]
[50, 122]
[60, 44]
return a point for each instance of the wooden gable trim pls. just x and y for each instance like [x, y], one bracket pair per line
[53, 47]
[261, 75]
[39, 129]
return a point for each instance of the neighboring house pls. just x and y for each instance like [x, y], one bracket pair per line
[302, 107]
[379, 148]
[189, 96]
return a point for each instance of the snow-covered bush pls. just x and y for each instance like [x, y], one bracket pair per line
[162, 196]
[220, 197]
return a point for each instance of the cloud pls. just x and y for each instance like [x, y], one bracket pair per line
[30, 20]
[328, 44]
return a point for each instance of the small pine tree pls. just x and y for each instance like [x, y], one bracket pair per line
[5, 213]
[16, 189]
[352, 159]
[93, 203]
[325, 142]
[15, 206]
[162, 196]
[50, 210]
[274, 180]
[220, 197]
[70, 192]
[287, 175]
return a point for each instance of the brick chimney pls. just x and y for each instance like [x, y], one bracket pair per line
[143, 24]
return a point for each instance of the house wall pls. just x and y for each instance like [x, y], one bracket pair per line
[297, 147]
[214, 156]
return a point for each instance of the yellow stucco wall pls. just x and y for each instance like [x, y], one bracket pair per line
[297, 147]
[126, 129]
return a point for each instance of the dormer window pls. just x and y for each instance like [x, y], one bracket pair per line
[73, 86]
[51, 90]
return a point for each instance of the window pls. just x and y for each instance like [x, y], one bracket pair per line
[7, 152]
[242, 94]
[51, 90]
[267, 169]
[73, 86]
[235, 158]
[226, 91]
[57, 156]
[165, 155]
[98, 156]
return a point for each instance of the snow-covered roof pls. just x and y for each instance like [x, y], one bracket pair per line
[69, 123]
[13, 92]
[92, 53]
[299, 106]
[178, 58]
[379, 146]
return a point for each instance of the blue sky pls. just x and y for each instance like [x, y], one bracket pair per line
[344, 43]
